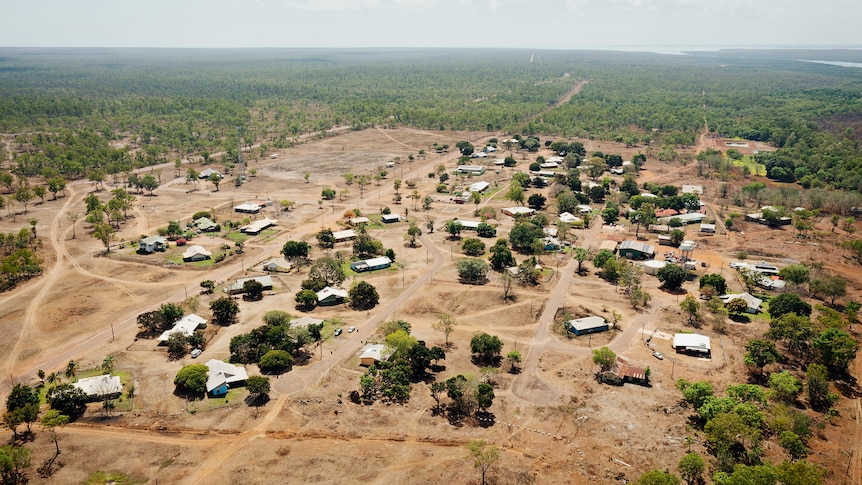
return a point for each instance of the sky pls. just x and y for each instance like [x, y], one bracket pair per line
[546, 24]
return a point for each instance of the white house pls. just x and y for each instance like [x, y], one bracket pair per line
[390, 218]
[151, 244]
[196, 253]
[474, 169]
[346, 235]
[374, 353]
[752, 301]
[221, 376]
[358, 221]
[516, 211]
[569, 218]
[207, 172]
[479, 187]
[277, 265]
[99, 387]
[247, 208]
[331, 296]
[237, 286]
[691, 343]
[257, 226]
[184, 326]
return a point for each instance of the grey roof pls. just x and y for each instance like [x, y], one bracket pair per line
[638, 246]
[753, 302]
[587, 323]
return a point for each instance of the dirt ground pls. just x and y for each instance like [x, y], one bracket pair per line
[553, 422]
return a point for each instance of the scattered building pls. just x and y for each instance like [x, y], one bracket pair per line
[205, 224]
[479, 187]
[342, 236]
[692, 343]
[471, 169]
[753, 302]
[608, 245]
[305, 321]
[584, 209]
[583, 326]
[100, 387]
[374, 353]
[707, 228]
[207, 172]
[277, 265]
[247, 208]
[469, 225]
[221, 376]
[237, 286]
[658, 228]
[518, 211]
[256, 227]
[548, 164]
[637, 250]
[371, 264]
[665, 240]
[152, 244]
[331, 296]
[390, 218]
[358, 221]
[689, 218]
[479, 155]
[184, 326]
[196, 253]
[570, 218]
[666, 213]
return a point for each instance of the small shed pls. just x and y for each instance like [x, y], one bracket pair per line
[152, 244]
[358, 221]
[583, 326]
[371, 264]
[659, 228]
[637, 250]
[707, 228]
[665, 240]
[691, 343]
[390, 218]
[207, 173]
[331, 296]
[374, 353]
[608, 245]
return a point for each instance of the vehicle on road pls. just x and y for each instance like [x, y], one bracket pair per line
[351, 329]
[196, 353]
[337, 332]
[658, 355]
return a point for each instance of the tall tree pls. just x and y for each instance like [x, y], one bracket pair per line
[445, 324]
[483, 456]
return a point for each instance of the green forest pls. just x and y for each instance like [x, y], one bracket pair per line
[67, 112]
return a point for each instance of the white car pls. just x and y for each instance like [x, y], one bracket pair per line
[351, 329]
[196, 353]
[658, 355]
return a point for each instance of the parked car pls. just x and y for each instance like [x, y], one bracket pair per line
[658, 355]
[337, 332]
[196, 353]
[351, 329]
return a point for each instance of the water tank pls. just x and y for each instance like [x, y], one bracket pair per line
[652, 266]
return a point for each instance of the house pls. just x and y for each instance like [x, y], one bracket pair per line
[342, 236]
[479, 155]
[479, 187]
[221, 376]
[374, 353]
[555, 159]
[390, 218]
[196, 253]
[658, 228]
[256, 227]
[208, 172]
[544, 173]
[100, 387]
[690, 218]
[609, 245]
[184, 326]
[691, 343]
[469, 225]
[666, 213]
[358, 221]
[490, 149]
[471, 169]
[707, 228]
[152, 244]
[758, 218]
[518, 211]
[237, 286]
[583, 326]
[570, 218]
[665, 240]
[331, 296]
[584, 209]
[692, 189]
[247, 208]
[499, 162]
[371, 264]
[277, 265]
[205, 224]
[753, 302]
[637, 250]
[548, 164]
[305, 321]
[551, 243]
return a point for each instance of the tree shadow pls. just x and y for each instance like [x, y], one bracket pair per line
[481, 361]
[485, 419]
[740, 318]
